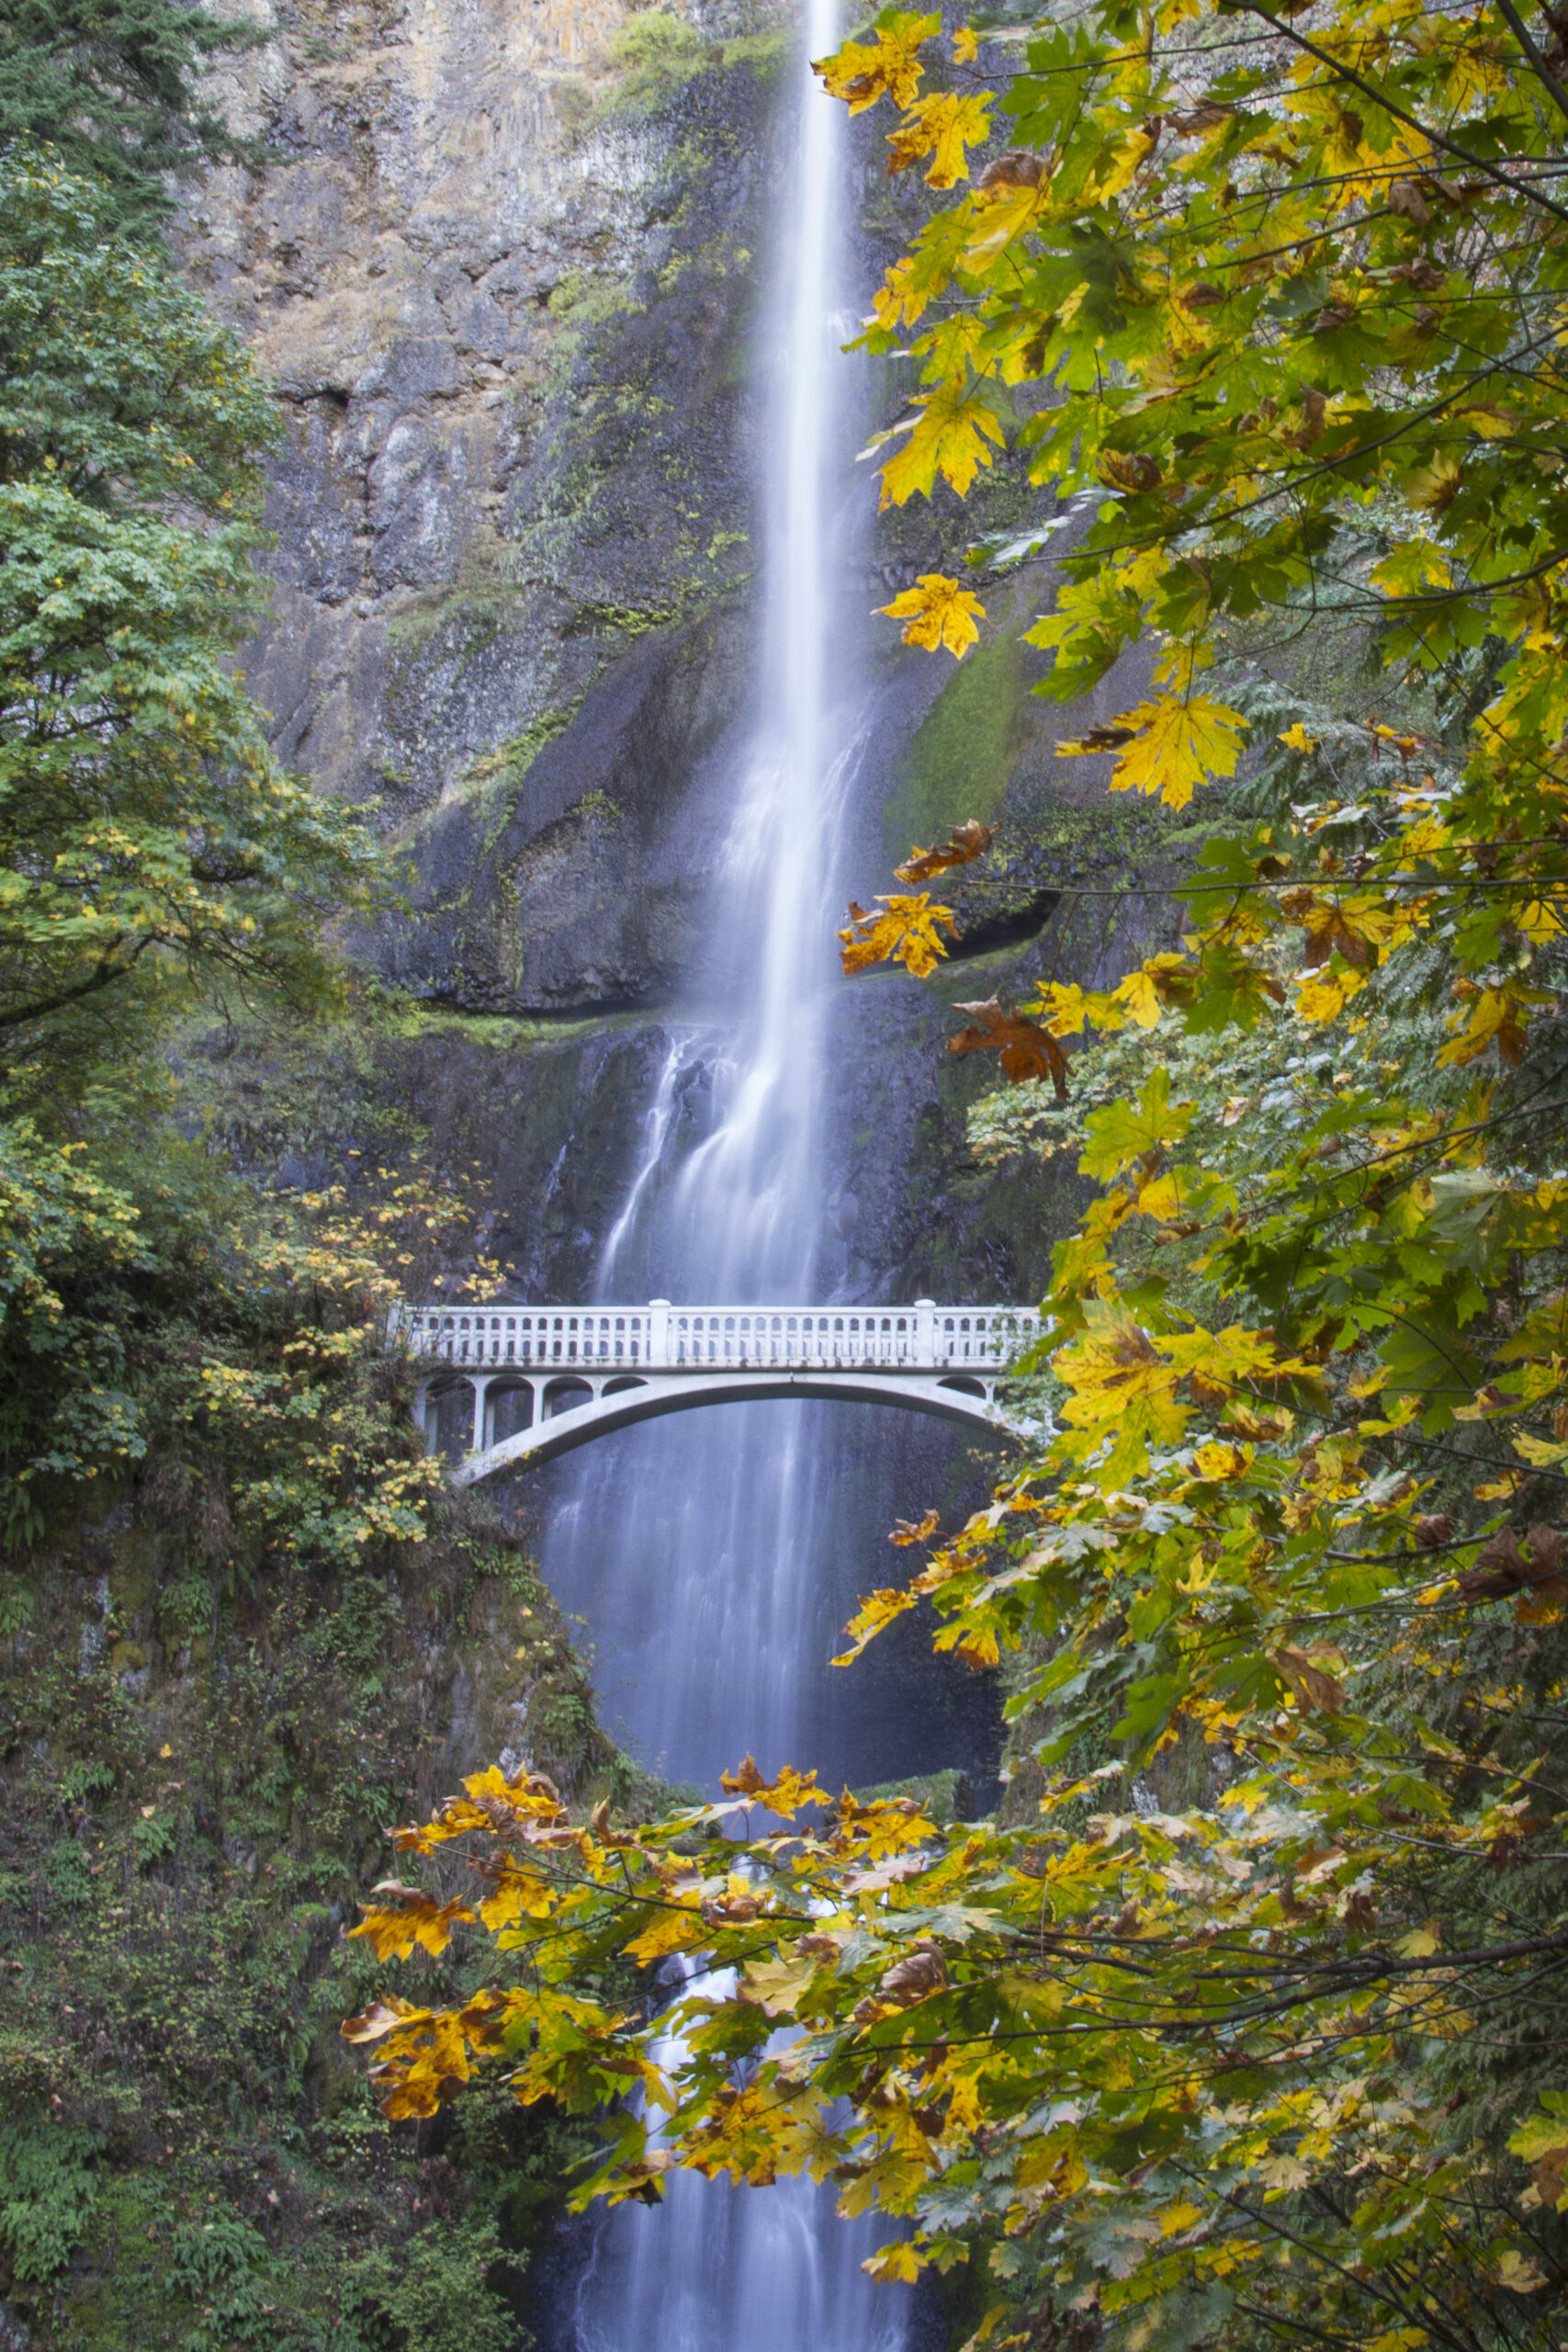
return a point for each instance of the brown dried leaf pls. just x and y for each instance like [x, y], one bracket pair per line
[383, 2017]
[1311, 1686]
[1026, 1050]
[1501, 1567]
[914, 1530]
[1099, 739]
[1132, 470]
[1199, 120]
[964, 844]
[921, 1972]
[1017, 168]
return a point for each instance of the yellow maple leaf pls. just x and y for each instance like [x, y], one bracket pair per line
[1112, 1369]
[1214, 1461]
[1540, 921]
[775, 1985]
[966, 45]
[414, 2085]
[948, 437]
[906, 931]
[860, 72]
[669, 1931]
[1160, 981]
[1497, 1017]
[976, 1648]
[393, 1932]
[1178, 2217]
[1006, 216]
[897, 301]
[967, 2110]
[1321, 996]
[1141, 998]
[936, 612]
[941, 127]
[1168, 747]
[897, 2261]
[1122, 157]
[1065, 1008]
[1161, 1199]
[1181, 744]
[1298, 739]
[520, 1894]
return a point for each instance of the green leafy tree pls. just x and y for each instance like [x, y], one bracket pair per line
[155, 860]
[1240, 2023]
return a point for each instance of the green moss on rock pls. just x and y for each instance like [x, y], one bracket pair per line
[961, 760]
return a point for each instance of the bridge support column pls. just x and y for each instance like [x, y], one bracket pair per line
[482, 1392]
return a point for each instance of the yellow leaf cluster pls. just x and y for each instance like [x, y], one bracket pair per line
[941, 127]
[951, 427]
[393, 1930]
[907, 931]
[860, 72]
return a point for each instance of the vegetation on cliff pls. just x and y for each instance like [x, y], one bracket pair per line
[240, 1623]
[1239, 2023]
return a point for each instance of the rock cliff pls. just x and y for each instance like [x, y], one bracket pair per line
[504, 259]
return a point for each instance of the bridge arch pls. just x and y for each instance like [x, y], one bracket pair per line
[524, 1383]
[577, 1411]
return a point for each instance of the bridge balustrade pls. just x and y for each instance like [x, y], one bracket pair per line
[692, 1339]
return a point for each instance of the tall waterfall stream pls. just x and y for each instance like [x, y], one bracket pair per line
[702, 1548]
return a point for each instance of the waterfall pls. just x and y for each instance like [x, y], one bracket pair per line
[700, 1545]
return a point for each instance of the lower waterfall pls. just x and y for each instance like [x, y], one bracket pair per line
[705, 1548]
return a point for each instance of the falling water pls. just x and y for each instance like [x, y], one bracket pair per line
[700, 1542]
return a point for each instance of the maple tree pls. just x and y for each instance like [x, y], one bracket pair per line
[1239, 2023]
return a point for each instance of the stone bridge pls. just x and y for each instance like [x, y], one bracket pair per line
[540, 1380]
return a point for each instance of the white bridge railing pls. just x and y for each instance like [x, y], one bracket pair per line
[662, 1338]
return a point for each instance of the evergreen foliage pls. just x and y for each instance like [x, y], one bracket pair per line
[113, 85]
[145, 828]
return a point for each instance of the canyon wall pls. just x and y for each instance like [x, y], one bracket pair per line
[503, 260]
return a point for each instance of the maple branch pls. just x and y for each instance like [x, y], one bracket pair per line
[1368, 2280]
[104, 973]
[1290, 487]
[1398, 114]
[1544, 74]
[1485, 1461]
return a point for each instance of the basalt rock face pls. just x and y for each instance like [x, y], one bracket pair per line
[504, 260]
[501, 260]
